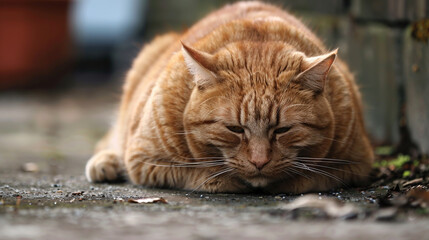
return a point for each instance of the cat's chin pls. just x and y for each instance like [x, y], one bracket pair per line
[258, 182]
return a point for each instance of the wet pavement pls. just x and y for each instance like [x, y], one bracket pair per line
[57, 132]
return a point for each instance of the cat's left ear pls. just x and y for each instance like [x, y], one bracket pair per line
[314, 71]
[200, 65]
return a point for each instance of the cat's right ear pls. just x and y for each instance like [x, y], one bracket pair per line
[200, 65]
[315, 70]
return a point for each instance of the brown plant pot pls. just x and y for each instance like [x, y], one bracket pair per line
[34, 42]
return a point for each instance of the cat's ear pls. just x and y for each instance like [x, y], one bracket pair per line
[200, 65]
[314, 71]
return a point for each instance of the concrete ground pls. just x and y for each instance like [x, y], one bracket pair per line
[57, 132]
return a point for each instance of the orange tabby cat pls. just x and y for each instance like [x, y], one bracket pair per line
[248, 98]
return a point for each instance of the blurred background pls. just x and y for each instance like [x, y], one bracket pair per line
[62, 63]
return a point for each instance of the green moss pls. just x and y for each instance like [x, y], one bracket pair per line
[406, 174]
[400, 160]
[397, 163]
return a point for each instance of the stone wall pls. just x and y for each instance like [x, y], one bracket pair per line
[377, 38]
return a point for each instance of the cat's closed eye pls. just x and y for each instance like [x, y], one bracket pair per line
[235, 129]
[281, 130]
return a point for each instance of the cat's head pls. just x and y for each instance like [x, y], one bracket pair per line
[258, 106]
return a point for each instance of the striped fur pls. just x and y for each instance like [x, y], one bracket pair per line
[259, 103]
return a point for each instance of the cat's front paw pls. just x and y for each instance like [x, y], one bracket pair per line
[105, 166]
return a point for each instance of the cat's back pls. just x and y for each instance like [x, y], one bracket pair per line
[251, 15]
[228, 24]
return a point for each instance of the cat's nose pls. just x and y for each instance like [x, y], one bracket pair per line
[259, 151]
[259, 162]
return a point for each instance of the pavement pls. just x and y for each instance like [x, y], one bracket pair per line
[50, 198]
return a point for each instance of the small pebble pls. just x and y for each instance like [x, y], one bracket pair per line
[78, 193]
[30, 167]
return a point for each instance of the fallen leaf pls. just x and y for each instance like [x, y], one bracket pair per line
[418, 197]
[148, 200]
[331, 206]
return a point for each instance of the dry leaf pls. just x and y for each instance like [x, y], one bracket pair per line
[148, 200]
[418, 196]
[330, 206]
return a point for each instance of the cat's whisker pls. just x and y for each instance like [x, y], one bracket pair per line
[184, 165]
[334, 168]
[212, 159]
[323, 166]
[197, 162]
[298, 173]
[328, 160]
[179, 164]
[323, 162]
[204, 158]
[216, 174]
[318, 171]
[201, 162]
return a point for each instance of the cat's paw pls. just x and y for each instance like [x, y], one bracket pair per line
[105, 166]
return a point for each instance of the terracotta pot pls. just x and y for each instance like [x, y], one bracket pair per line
[34, 42]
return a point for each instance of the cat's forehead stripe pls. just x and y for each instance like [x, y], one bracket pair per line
[258, 110]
